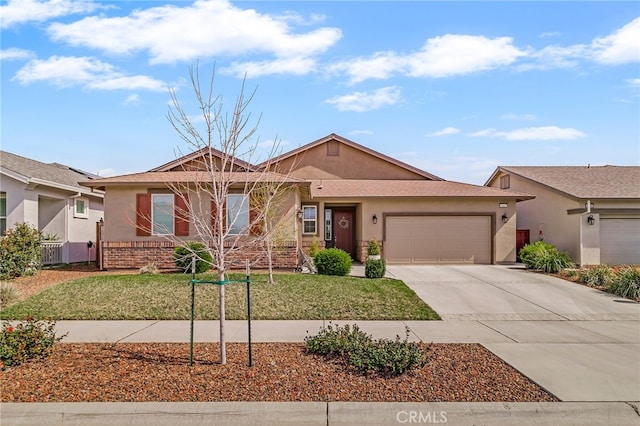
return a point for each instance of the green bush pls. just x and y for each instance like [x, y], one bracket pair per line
[626, 283]
[362, 353]
[20, 252]
[545, 257]
[29, 339]
[333, 261]
[182, 256]
[597, 276]
[314, 248]
[373, 248]
[374, 268]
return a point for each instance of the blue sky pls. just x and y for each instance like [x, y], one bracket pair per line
[454, 88]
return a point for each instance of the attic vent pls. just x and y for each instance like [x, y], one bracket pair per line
[333, 149]
[505, 182]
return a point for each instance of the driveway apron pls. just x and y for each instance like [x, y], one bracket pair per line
[579, 343]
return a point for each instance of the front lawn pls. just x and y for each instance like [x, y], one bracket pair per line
[168, 297]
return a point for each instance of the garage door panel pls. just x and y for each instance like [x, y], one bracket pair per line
[619, 241]
[438, 239]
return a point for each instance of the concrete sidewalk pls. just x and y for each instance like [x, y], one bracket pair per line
[321, 413]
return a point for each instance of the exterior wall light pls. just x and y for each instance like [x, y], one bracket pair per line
[374, 219]
[504, 218]
[299, 213]
[591, 220]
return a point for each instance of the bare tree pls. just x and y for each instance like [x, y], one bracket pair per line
[222, 187]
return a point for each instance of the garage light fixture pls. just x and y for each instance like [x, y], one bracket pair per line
[504, 218]
[374, 219]
[591, 220]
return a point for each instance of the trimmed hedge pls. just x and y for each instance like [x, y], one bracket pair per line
[333, 261]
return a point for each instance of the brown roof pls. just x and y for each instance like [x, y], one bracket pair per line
[406, 188]
[201, 153]
[584, 182]
[354, 145]
[166, 178]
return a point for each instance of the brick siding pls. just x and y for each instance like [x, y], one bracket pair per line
[136, 254]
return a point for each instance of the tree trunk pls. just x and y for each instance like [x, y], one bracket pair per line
[223, 342]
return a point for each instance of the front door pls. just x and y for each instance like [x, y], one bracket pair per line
[344, 230]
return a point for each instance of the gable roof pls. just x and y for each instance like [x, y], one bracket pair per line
[184, 177]
[181, 161]
[53, 175]
[356, 146]
[407, 188]
[582, 182]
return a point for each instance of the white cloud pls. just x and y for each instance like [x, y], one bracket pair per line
[443, 56]
[366, 101]
[518, 117]
[361, 132]
[15, 53]
[543, 133]
[295, 66]
[635, 82]
[444, 132]
[169, 34]
[132, 100]
[21, 11]
[620, 47]
[452, 54]
[67, 71]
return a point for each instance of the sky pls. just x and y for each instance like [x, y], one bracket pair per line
[453, 88]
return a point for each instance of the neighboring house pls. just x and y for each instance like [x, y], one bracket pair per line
[343, 194]
[592, 212]
[49, 197]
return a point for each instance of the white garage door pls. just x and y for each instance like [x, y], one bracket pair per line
[619, 241]
[438, 239]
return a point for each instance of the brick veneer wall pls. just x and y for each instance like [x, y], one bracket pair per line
[136, 254]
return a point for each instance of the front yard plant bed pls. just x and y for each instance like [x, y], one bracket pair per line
[168, 297]
[282, 372]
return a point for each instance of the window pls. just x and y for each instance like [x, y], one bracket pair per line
[309, 219]
[237, 214]
[3, 213]
[81, 208]
[162, 214]
[505, 182]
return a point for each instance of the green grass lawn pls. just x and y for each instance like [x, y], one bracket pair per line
[168, 297]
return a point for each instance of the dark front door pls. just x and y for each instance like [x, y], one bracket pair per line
[344, 231]
[522, 239]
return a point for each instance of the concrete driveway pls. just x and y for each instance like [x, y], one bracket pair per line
[579, 343]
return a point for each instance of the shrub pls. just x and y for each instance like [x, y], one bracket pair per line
[626, 283]
[362, 353]
[29, 339]
[553, 261]
[530, 252]
[182, 255]
[374, 268]
[20, 252]
[544, 256]
[373, 248]
[314, 248]
[333, 261]
[338, 341]
[8, 293]
[597, 276]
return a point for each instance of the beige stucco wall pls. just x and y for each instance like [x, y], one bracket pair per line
[350, 164]
[504, 240]
[120, 215]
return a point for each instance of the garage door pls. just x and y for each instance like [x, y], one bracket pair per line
[619, 241]
[438, 239]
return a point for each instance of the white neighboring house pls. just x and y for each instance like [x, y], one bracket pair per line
[49, 197]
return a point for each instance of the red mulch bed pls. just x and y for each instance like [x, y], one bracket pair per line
[281, 372]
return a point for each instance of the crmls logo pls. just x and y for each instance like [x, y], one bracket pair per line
[421, 417]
